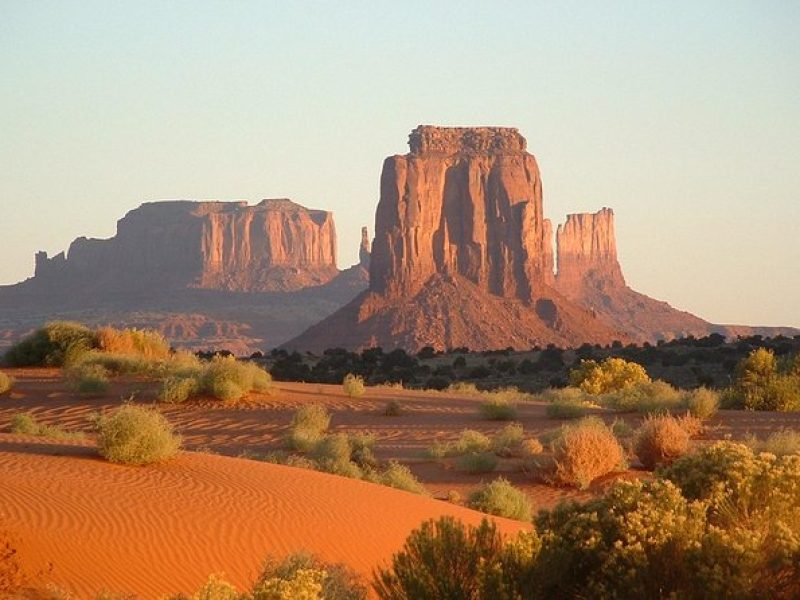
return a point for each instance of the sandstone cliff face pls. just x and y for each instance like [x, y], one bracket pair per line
[464, 201]
[272, 246]
[364, 252]
[587, 253]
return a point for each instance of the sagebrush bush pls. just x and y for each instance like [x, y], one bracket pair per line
[702, 403]
[660, 440]
[647, 397]
[446, 560]
[760, 385]
[337, 581]
[507, 441]
[308, 426]
[135, 435]
[26, 424]
[175, 390]
[137, 342]
[610, 375]
[585, 451]
[353, 385]
[502, 499]
[781, 443]
[477, 462]
[400, 477]
[469, 441]
[498, 409]
[229, 380]
[87, 378]
[6, 382]
[566, 409]
[56, 344]
[333, 454]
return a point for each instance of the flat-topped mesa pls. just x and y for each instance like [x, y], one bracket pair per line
[272, 246]
[587, 253]
[464, 201]
[429, 139]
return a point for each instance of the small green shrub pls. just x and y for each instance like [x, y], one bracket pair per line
[782, 443]
[621, 429]
[333, 454]
[760, 385]
[393, 409]
[6, 383]
[330, 581]
[502, 499]
[135, 435]
[648, 397]
[566, 410]
[86, 378]
[26, 424]
[308, 426]
[175, 390]
[498, 409]
[57, 344]
[400, 477]
[353, 385]
[585, 451]
[702, 403]
[661, 439]
[478, 462]
[507, 441]
[229, 380]
[361, 445]
[610, 375]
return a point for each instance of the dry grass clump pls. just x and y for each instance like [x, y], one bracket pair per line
[86, 378]
[508, 440]
[6, 383]
[585, 451]
[133, 342]
[353, 385]
[309, 425]
[660, 440]
[702, 403]
[134, 435]
[26, 424]
[478, 462]
[498, 408]
[783, 442]
[502, 499]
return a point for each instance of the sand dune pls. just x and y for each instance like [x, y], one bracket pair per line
[164, 529]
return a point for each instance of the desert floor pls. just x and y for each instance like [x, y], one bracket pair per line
[87, 525]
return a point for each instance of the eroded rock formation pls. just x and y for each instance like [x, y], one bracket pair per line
[276, 245]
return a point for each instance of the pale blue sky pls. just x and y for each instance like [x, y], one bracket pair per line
[682, 116]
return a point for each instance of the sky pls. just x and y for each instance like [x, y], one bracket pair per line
[684, 117]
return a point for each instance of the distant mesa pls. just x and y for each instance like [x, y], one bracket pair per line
[463, 256]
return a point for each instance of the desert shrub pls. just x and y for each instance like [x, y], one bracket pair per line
[215, 588]
[175, 390]
[477, 462]
[566, 394]
[463, 387]
[585, 451]
[469, 441]
[361, 453]
[54, 345]
[393, 409]
[610, 375]
[565, 409]
[502, 499]
[118, 364]
[498, 409]
[353, 385]
[133, 342]
[702, 403]
[621, 429]
[229, 380]
[446, 560]
[26, 424]
[660, 439]
[330, 581]
[6, 383]
[400, 477]
[279, 457]
[87, 378]
[508, 440]
[647, 397]
[135, 435]
[308, 426]
[759, 385]
[781, 443]
[531, 447]
[332, 454]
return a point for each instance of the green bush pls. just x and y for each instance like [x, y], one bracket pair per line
[56, 344]
[229, 380]
[661, 439]
[87, 379]
[135, 435]
[469, 441]
[26, 424]
[648, 397]
[400, 477]
[478, 462]
[336, 581]
[563, 409]
[610, 375]
[508, 441]
[353, 385]
[702, 403]
[308, 426]
[175, 390]
[759, 385]
[498, 409]
[502, 499]
[333, 454]
[585, 451]
[446, 560]
[782, 443]
[6, 383]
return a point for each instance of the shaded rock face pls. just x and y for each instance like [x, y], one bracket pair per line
[275, 245]
[464, 201]
[587, 253]
[364, 252]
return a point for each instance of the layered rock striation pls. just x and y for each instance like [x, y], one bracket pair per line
[276, 245]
